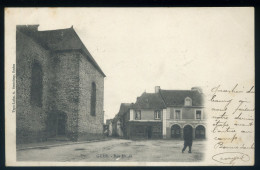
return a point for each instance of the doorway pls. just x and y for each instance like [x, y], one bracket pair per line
[61, 124]
[176, 131]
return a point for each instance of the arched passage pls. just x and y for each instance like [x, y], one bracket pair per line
[200, 132]
[187, 132]
[176, 131]
[61, 123]
[57, 123]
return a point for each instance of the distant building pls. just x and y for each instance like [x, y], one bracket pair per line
[109, 127]
[165, 114]
[60, 87]
[120, 120]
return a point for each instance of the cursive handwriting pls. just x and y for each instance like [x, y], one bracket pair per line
[232, 111]
[252, 90]
[233, 90]
[231, 157]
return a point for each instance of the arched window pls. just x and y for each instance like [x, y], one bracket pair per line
[200, 132]
[93, 99]
[36, 84]
[188, 101]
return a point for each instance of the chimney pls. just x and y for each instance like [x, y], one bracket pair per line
[199, 89]
[157, 89]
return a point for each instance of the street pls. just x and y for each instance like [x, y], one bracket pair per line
[116, 150]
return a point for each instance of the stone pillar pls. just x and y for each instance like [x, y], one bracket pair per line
[181, 133]
[164, 124]
[205, 133]
[193, 133]
[131, 114]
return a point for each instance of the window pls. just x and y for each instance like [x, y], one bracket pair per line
[188, 101]
[138, 115]
[178, 114]
[200, 132]
[36, 85]
[93, 99]
[198, 114]
[157, 114]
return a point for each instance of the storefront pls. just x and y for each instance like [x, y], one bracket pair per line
[144, 130]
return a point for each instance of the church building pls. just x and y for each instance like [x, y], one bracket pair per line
[60, 87]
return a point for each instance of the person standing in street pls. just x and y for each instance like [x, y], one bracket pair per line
[187, 142]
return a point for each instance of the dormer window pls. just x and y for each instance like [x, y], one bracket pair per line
[188, 101]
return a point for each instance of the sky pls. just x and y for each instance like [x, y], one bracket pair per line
[174, 48]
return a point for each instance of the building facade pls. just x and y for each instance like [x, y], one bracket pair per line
[146, 117]
[120, 120]
[60, 87]
[168, 114]
[184, 114]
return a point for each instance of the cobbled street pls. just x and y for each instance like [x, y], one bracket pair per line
[116, 150]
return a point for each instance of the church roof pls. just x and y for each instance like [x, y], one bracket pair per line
[60, 40]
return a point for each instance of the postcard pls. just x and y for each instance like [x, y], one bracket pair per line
[130, 86]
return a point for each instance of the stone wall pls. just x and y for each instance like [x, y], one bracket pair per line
[30, 119]
[88, 124]
[66, 89]
[64, 92]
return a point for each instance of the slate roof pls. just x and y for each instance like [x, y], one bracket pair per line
[149, 101]
[167, 98]
[177, 97]
[124, 107]
[59, 40]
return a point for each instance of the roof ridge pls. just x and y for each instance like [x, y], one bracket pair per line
[85, 50]
[70, 28]
[176, 90]
[125, 103]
